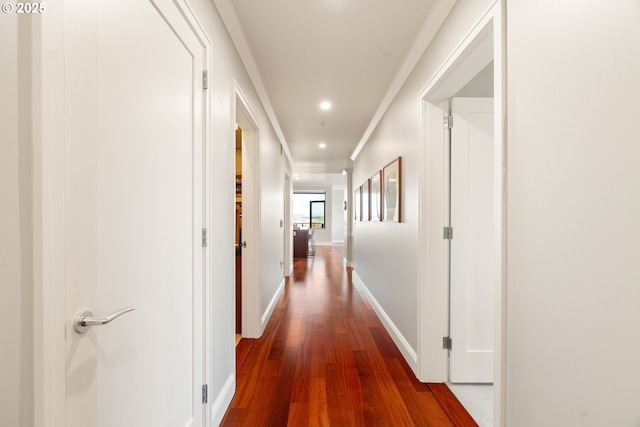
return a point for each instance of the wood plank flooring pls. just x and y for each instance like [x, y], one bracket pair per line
[326, 360]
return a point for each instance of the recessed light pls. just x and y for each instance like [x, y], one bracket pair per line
[325, 105]
[322, 145]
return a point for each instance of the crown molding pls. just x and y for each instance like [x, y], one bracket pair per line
[432, 24]
[230, 18]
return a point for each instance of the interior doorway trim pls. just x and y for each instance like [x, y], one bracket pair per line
[483, 43]
[287, 226]
[244, 117]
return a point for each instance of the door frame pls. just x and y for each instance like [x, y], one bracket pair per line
[483, 43]
[288, 228]
[47, 44]
[243, 115]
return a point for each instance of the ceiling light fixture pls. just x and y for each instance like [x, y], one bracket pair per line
[322, 145]
[325, 105]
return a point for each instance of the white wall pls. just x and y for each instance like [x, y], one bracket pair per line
[347, 218]
[385, 253]
[337, 214]
[272, 183]
[573, 275]
[16, 236]
[480, 86]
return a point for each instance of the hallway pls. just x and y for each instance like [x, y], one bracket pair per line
[325, 359]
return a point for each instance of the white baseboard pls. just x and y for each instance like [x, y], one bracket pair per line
[346, 263]
[405, 348]
[223, 400]
[337, 242]
[272, 305]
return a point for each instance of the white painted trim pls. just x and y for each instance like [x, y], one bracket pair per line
[238, 92]
[220, 404]
[401, 342]
[436, 17]
[485, 38]
[230, 18]
[251, 289]
[48, 222]
[287, 228]
[433, 89]
[337, 242]
[432, 252]
[500, 207]
[272, 305]
[197, 27]
[347, 264]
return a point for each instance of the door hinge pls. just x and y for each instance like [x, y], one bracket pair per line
[205, 238]
[205, 80]
[447, 233]
[205, 393]
[447, 343]
[447, 122]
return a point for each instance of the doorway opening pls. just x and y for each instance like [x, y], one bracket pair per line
[238, 237]
[248, 293]
[472, 271]
[478, 58]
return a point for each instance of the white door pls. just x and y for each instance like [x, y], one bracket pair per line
[251, 300]
[133, 213]
[473, 259]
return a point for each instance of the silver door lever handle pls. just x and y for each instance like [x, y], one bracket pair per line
[84, 320]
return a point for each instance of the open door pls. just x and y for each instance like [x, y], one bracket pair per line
[133, 214]
[238, 234]
[249, 295]
[474, 271]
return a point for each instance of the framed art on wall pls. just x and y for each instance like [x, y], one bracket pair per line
[376, 196]
[392, 191]
[357, 202]
[365, 201]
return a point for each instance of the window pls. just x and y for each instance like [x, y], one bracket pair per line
[309, 210]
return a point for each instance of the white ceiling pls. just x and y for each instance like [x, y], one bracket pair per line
[349, 52]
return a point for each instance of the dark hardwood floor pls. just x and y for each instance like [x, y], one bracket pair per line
[326, 360]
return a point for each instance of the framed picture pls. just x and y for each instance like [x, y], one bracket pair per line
[357, 202]
[376, 196]
[366, 201]
[392, 191]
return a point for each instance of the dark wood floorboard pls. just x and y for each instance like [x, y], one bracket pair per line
[242, 349]
[325, 359]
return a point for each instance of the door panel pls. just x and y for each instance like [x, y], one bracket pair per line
[134, 213]
[473, 260]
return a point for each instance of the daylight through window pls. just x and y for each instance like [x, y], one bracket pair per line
[309, 210]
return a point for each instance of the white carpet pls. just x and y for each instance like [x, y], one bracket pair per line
[477, 400]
